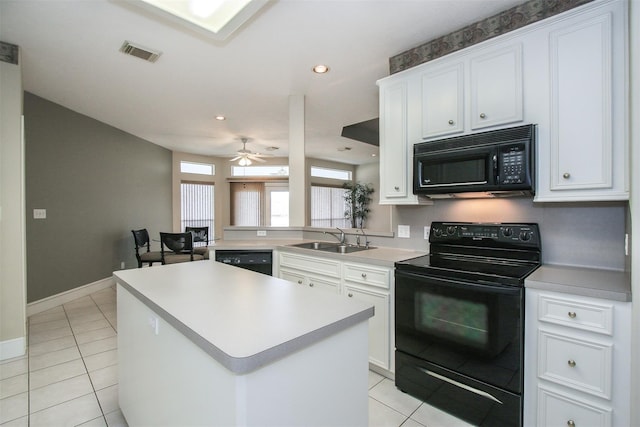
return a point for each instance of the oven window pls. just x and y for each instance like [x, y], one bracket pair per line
[453, 171]
[458, 320]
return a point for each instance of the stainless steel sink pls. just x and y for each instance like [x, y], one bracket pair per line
[332, 247]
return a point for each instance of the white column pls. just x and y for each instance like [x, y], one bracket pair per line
[297, 163]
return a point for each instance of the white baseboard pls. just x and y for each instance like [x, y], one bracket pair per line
[64, 297]
[13, 348]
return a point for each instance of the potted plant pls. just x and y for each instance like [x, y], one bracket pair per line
[357, 200]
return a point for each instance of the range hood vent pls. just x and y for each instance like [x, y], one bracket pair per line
[139, 52]
[367, 132]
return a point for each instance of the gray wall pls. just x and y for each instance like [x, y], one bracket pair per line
[97, 183]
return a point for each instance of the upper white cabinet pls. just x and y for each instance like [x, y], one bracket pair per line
[496, 87]
[567, 74]
[396, 154]
[443, 101]
[586, 154]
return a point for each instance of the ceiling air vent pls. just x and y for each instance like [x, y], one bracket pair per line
[139, 52]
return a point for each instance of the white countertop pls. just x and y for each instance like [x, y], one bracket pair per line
[590, 282]
[383, 256]
[242, 319]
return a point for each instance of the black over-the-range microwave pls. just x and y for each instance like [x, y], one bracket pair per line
[494, 163]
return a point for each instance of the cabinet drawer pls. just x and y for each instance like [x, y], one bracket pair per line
[324, 266]
[557, 409]
[578, 364]
[292, 276]
[367, 275]
[576, 314]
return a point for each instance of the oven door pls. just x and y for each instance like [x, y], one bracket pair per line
[470, 328]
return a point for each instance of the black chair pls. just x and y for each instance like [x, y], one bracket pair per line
[141, 239]
[200, 240]
[178, 247]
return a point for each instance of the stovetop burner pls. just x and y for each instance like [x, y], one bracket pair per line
[487, 253]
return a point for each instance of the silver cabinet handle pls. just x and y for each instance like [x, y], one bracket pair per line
[396, 188]
[299, 282]
[571, 363]
[571, 314]
[364, 275]
[571, 423]
[566, 175]
[350, 295]
[483, 116]
[311, 284]
[451, 122]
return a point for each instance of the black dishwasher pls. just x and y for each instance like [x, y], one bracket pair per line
[254, 260]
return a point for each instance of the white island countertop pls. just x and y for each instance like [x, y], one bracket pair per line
[244, 320]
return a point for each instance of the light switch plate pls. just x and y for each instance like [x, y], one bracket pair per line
[427, 230]
[404, 231]
[262, 233]
[39, 214]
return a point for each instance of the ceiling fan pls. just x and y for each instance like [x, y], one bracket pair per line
[245, 156]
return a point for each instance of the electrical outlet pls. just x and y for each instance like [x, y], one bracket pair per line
[121, 265]
[427, 230]
[39, 214]
[626, 244]
[262, 233]
[404, 231]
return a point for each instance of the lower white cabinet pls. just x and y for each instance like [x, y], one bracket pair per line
[369, 283]
[577, 370]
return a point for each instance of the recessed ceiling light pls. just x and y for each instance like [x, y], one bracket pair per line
[320, 69]
[221, 118]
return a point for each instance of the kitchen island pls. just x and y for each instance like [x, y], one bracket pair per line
[204, 343]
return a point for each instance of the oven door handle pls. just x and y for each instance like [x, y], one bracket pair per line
[484, 287]
[460, 385]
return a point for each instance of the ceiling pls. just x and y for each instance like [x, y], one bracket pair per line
[70, 55]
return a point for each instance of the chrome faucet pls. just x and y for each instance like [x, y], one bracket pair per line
[341, 238]
[366, 242]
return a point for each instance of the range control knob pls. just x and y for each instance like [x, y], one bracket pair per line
[507, 232]
[451, 229]
[525, 236]
[437, 232]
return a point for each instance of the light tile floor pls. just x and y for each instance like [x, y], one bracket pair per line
[69, 377]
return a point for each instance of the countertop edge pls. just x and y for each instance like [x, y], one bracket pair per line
[248, 364]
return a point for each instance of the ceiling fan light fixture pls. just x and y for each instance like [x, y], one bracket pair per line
[244, 162]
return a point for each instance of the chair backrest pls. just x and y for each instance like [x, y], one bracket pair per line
[177, 242]
[141, 238]
[200, 234]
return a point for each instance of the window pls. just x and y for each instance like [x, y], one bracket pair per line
[197, 168]
[259, 204]
[318, 172]
[196, 205]
[328, 207]
[260, 170]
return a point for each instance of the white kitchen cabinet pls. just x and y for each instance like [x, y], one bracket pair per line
[586, 155]
[577, 360]
[496, 87]
[317, 273]
[372, 284]
[364, 282]
[443, 101]
[396, 153]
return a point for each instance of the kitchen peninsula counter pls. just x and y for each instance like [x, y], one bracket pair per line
[206, 343]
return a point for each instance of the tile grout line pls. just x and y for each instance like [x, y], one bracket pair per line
[95, 394]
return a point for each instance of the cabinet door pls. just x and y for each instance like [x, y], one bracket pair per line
[496, 88]
[581, 109]
[379, 350]
[394, 154]
[442, 101]
[324, 283]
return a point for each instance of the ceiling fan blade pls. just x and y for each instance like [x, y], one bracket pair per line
[235, 158]
[257, 159]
